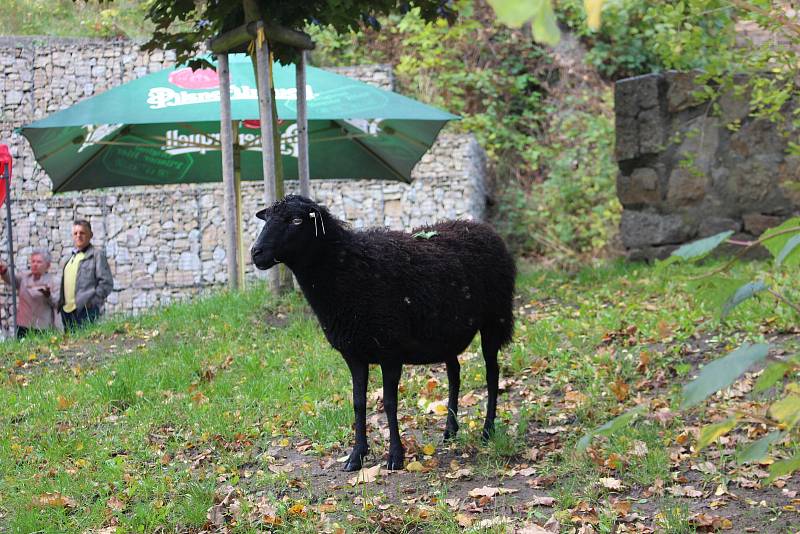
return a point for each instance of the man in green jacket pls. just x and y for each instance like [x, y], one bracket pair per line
[86, 280]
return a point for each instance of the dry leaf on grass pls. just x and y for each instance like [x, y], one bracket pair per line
[710, 523]
[460, 473]
[685, 491]
[415, 467]
[488, 491]
[54, 500]
[611, 483]
[366, 475]
[542, 501]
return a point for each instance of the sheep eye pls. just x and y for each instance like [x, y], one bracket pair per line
[297, 221]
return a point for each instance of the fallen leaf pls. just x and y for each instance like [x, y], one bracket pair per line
[64, 403]
[54, 500]
[710, 523]
[639, 449]
[366, 475]
[460, 473]
[620, 389]
[464, 520]
[542, 501]
[611, 483]
[415, 467]
[488, 491]
[115, 504]
[428, 449]
[685, 491]
[532, 529]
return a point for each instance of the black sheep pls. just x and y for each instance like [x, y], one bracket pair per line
[392, 298]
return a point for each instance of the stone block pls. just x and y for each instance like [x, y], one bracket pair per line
[681, 87]
[640, 229]
[641, 187]
[686, 186]
[757, 223]
[714, 225]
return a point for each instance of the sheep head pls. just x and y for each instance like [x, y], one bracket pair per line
[292, 228]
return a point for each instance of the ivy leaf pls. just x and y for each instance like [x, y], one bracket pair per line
[544, 27]
[697, 250]
[786, 410]
[777, 244]
[771, 375]
[787, 250]
[743, 293]
[721, 373]
[515, 13]
[425, 235]
[710, 433]
[609, 427]
[758, 449]
[783, 467]
[539, 13]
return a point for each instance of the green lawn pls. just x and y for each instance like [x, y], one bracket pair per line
[138, 422]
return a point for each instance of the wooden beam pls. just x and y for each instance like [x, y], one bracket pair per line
[246, 32]
[303, 170]
[268, 153]
[228, 171]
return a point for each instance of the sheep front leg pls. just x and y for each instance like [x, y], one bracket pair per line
[391, 380]
[360, 374]
[454, 383]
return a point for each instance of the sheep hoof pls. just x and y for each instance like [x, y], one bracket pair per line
[450, 433]
[354, 463]
[487, 434]
[395, 462]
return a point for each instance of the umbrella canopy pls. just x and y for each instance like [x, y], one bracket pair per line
[163, 128]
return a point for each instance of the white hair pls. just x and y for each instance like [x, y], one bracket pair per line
[42, 253]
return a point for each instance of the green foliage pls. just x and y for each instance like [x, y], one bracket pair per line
[697, 250]
[721, 373]
[782, 242]
[615, 425]
[758, 449]
[210, 18]
[68, 18]
[639, 37]
[745, 292]
[552, 160]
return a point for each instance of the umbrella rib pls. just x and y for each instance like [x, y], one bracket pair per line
[77, 171]
[380, 159]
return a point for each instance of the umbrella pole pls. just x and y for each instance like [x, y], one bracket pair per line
[303, 172]
[228, 172]
[13, 276]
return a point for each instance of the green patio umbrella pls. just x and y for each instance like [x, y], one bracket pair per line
[164, 129]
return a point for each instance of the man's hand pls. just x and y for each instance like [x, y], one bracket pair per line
[45, 291]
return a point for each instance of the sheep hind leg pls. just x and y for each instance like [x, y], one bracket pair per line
[490, 345]
[360, 374]
[391, 381]
[454, 383]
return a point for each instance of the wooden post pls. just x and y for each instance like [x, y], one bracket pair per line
[268, 154]
[303, 171]
[237, 163]
[228, 172]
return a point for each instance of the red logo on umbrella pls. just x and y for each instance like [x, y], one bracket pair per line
[194, 79]
[255, 124]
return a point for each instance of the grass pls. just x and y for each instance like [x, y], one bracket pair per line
[138, 421]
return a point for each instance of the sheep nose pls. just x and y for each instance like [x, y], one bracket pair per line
[255, 251]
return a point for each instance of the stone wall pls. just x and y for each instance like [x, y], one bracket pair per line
[167, 243]
[686, 173]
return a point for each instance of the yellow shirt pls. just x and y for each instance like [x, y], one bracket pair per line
[71, 280]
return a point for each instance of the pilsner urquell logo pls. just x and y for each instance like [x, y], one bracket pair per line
[202, 86]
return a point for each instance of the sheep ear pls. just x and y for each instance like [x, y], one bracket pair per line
[262, 214]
